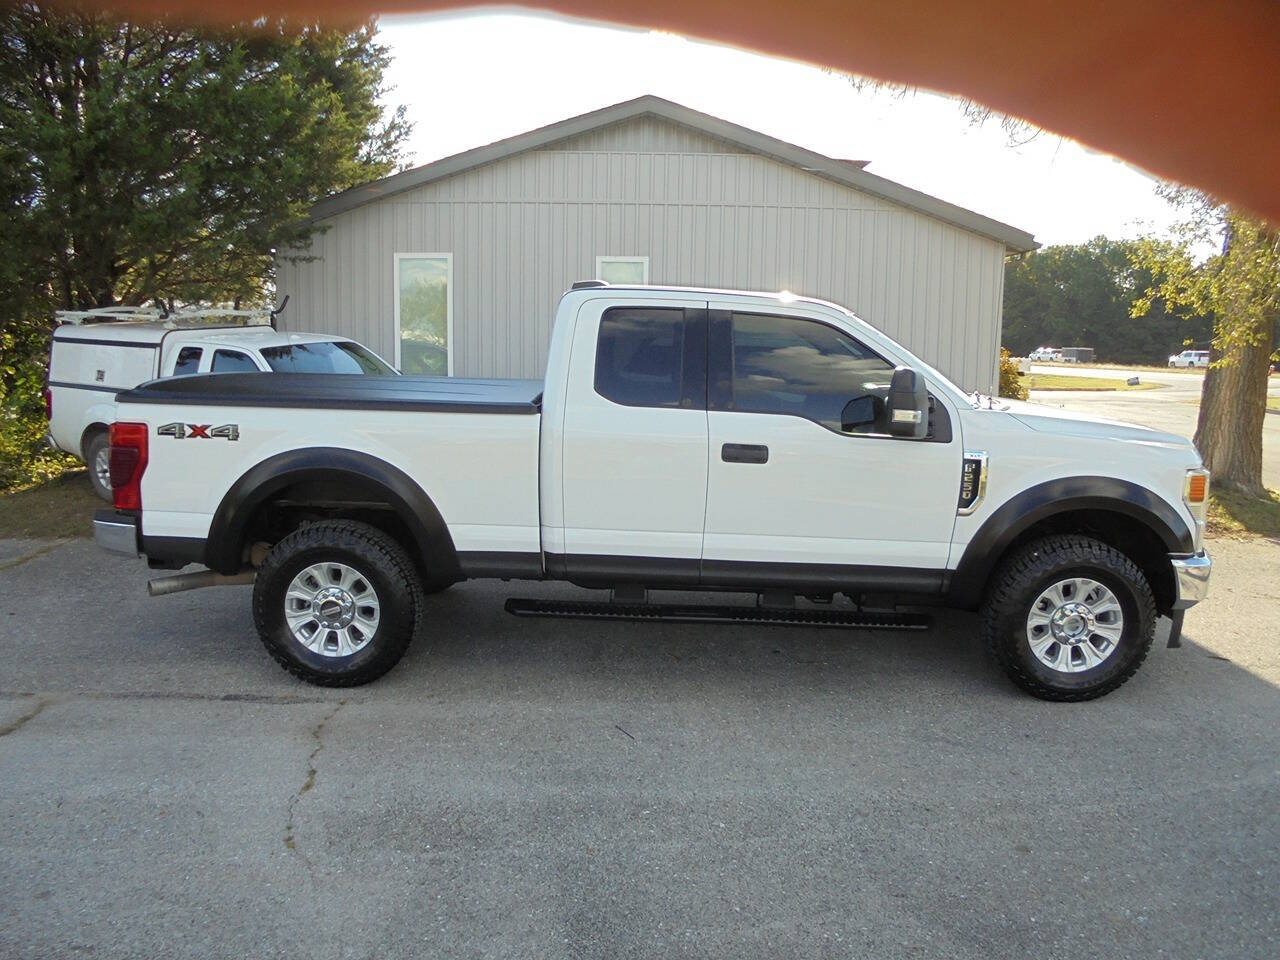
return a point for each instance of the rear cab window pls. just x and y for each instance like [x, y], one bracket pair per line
[233, 361]
[188, 361]
[652, 357]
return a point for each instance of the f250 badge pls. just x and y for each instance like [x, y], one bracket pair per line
[200, 431]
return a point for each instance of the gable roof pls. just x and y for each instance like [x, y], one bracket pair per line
[849, 173]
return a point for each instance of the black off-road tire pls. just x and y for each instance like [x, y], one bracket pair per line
[1019, 581]
[98, 445]
[379, 559]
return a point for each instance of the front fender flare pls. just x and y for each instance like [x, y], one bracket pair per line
[1019, 513]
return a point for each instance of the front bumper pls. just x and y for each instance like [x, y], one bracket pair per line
[116, 532]
[1191, 576]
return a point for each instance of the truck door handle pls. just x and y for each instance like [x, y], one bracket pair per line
[744, 453]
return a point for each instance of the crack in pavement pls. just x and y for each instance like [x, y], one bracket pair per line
[317, 733]
[40, 552]
[268, 698]
[15, 725]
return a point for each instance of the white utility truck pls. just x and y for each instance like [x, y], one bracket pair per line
[1046, 354]
[683, 439]
[1190, 358]
[97, 353]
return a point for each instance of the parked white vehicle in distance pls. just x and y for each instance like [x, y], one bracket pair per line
[1043, 354]
[90, 362]
[1190, 358]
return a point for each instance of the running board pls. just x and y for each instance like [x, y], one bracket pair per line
[715, 613]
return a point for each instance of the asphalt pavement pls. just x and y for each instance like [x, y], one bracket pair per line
[1173, 407]
[522, 788]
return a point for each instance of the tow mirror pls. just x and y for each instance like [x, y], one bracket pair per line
[908, 405]
[858, 412]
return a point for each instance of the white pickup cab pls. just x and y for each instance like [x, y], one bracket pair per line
[682, 439]
[90, 363]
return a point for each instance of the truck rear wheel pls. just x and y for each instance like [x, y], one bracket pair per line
[335, 603]
[1069, 618]
[97, 457]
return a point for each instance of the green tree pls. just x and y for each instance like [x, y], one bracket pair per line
[152, 159]
[1082, 295]
[1240, 286]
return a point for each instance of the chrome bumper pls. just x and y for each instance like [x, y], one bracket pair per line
[1191, 574]
[115, 532]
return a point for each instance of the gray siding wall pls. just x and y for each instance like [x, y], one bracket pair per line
[522, 229]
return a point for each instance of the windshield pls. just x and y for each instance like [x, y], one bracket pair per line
[342, 356]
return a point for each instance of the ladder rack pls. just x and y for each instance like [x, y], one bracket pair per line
[187, 316]
[171, 319]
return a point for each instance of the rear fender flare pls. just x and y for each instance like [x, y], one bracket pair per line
[410, 502]
[97, 419]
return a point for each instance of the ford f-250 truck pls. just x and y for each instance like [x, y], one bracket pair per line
[682, 440]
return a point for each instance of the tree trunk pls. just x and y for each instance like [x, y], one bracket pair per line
[1233, 406]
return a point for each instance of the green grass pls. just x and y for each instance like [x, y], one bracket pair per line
[1059, 381]
[1273, 403]
[49, 511]
[1123, 366]
[1233, 514]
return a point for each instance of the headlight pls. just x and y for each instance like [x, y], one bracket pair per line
[1195, 494]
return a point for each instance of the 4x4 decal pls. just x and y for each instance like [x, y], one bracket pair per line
[199, 431]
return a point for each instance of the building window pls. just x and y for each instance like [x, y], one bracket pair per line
[627, 271]
[424, 313]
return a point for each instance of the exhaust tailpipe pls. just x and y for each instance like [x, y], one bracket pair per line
[194, 581]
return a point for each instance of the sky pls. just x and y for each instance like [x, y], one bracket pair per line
[470, 79]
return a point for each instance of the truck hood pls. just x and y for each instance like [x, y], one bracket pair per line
[1046, 419]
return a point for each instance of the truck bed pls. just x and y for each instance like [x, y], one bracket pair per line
[329, 391]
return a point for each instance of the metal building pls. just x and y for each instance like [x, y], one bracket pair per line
[456, 266]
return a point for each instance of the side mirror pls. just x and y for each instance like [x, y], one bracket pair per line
[858, 412]
[908, 405]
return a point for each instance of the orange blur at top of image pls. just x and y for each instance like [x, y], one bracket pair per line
[1188, 90]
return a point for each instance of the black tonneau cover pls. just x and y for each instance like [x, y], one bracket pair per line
[336, 391]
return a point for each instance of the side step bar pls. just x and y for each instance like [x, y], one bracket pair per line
[715, 613]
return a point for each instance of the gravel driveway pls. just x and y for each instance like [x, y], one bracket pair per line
[573, 789]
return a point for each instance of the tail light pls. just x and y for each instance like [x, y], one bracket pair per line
[48, 403]
[128, 461]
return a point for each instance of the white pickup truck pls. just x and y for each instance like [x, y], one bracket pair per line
[90, 362]
[682, 440]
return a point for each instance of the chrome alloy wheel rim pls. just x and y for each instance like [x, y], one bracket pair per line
[332, 609]
[102, 467]
[1075, 625]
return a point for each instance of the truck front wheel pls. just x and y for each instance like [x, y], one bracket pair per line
[1069, 618]
[335, 603]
